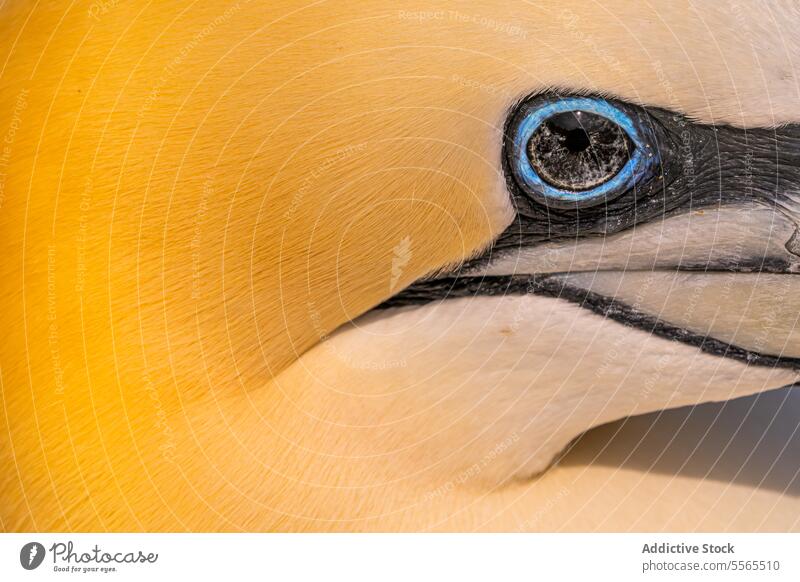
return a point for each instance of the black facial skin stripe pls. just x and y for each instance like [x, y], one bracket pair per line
[703, 167]
[551, 286]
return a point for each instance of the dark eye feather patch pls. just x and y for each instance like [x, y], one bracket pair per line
[701, 166]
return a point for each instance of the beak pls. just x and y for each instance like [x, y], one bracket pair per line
[723, 279]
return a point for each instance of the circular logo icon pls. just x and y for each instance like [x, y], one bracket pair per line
[31, 555]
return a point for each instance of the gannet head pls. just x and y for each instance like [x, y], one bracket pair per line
[350, 266]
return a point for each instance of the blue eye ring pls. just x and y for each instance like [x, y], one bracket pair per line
[530, 117]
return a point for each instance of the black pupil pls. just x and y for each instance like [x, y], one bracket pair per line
[576, 140]
[578, 150]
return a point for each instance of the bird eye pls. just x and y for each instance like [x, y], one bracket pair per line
[578, 151]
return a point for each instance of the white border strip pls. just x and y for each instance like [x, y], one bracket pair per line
[403, 557]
